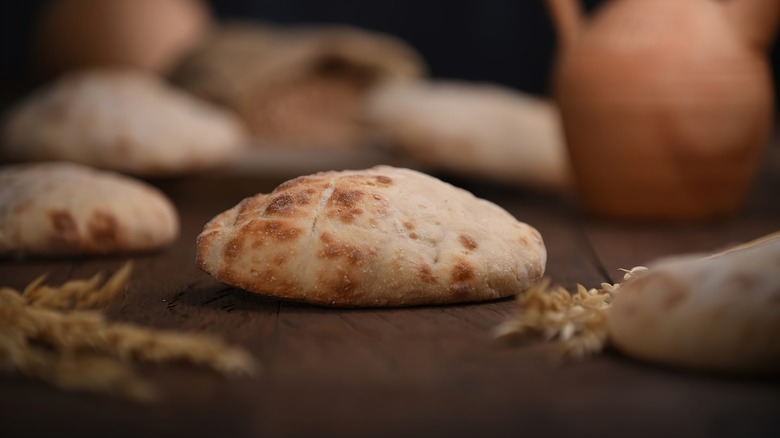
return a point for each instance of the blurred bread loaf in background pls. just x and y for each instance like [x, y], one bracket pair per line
[124, 120]
[56, 209]
[475, 129]
[297, 86]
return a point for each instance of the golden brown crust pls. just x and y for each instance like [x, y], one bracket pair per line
[378, 237]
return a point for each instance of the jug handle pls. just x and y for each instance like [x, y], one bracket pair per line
[568, 19]
[755, 20]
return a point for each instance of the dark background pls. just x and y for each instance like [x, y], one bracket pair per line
[510, 42]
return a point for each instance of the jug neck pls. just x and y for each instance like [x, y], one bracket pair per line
[568, 19]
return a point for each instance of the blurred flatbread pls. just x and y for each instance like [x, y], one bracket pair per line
[478, 130]
[69, 209]
[717, 313]
[297, 86]
[122, 120]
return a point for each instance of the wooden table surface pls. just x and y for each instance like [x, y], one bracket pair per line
[426, 371]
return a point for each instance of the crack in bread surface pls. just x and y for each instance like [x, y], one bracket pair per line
[324, 198]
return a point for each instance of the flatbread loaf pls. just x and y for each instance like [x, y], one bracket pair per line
[378, 237]
[478, 130]
[68, 209]
[717, 313]
[301, 87]
[122, 120]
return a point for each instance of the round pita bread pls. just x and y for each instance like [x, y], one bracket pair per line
[297, 87]
[68, 209]
[718, 313]
[478, 130]
[379, 237]
[121, 120]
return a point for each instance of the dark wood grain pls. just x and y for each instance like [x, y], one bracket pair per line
[424, 371]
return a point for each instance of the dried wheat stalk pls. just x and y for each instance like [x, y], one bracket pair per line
[77, 294]
[578, 320]
[47, 335]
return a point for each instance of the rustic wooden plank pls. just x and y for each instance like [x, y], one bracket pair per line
[519, 393]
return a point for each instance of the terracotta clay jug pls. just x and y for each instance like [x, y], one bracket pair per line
[666, 104]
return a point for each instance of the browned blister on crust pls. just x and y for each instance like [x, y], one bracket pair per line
[378, 237]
